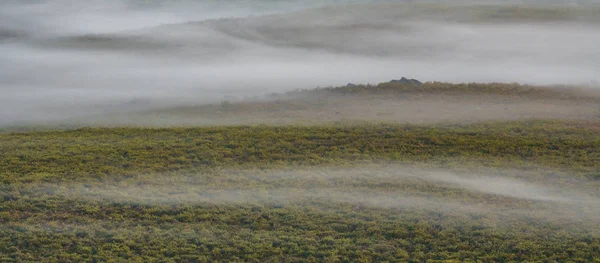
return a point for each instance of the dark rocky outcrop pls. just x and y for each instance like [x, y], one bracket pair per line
[404, 80]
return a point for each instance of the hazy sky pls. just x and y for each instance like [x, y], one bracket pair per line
[64, 58]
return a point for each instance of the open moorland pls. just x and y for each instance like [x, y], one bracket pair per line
[500, 180]
[284, 131]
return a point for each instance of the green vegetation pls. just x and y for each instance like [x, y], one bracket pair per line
[79, 195]
[38, 228]
[100, 152]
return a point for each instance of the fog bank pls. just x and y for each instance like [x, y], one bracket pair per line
[62, 59]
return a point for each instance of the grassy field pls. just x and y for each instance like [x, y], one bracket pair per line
[109, 152]
[508, 188]
[264, 193]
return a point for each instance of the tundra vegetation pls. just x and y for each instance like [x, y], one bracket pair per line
[504, 190]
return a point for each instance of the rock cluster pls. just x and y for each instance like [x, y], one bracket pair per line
[404, 80]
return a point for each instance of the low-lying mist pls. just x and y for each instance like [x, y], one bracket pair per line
[335, 108]
[545, 196]
[64, 59]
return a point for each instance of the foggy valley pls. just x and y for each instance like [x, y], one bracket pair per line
[63, 59]
[299, 131]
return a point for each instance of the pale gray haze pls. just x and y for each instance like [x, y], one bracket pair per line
[511, 193]
[64, 58]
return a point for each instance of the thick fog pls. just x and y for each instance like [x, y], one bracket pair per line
[67, 58]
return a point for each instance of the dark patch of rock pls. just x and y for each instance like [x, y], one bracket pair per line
[404, 80]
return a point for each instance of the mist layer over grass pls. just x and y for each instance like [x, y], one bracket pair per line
[521, 190]
[545, 195]
[386, 102]
[307, 214]
[393, 172]
[64, 59]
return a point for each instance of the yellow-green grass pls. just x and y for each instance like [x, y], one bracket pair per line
[101, 152]
[143, 194]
